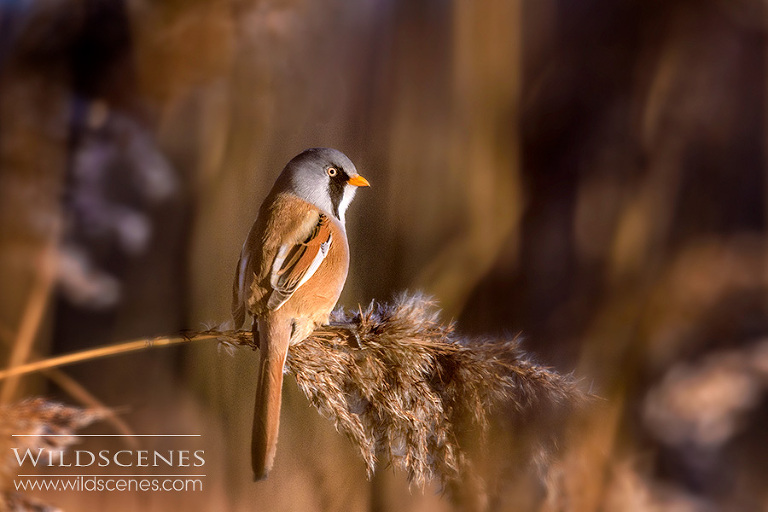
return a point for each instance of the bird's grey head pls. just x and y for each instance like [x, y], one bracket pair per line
[324, 177]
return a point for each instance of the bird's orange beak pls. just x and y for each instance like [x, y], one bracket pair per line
[358, 181]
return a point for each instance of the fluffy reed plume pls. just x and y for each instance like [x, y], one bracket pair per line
[45, 424]
[402, 385]
[415, 386]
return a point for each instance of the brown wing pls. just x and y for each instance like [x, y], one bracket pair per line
[284, 220]
[295, 264]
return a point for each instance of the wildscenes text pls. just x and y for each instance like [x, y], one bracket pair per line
[100, 484]
[103, 458]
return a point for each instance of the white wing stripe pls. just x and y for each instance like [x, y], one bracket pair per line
[276, 296]
[277, 264]
[319, 257]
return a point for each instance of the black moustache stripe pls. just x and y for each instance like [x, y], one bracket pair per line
[336, 191]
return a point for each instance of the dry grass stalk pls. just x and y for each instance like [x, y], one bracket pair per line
[111, 351]
[86, 399]
[33, 315]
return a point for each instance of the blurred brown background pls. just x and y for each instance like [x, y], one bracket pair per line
[591, 174]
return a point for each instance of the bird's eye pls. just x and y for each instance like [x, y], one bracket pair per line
[332, 171]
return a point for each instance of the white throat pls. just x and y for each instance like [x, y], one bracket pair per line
[346, 199]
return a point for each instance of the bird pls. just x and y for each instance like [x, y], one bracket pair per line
[291, 271]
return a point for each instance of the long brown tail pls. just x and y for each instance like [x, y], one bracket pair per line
[274, 335]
